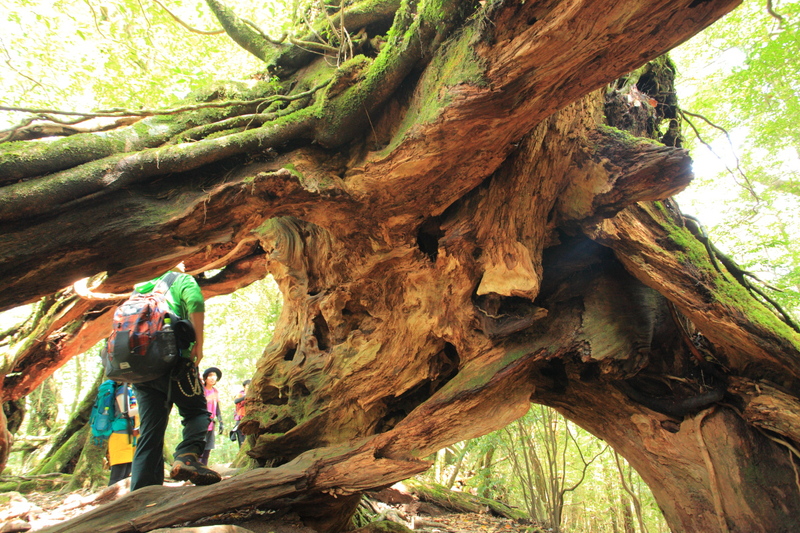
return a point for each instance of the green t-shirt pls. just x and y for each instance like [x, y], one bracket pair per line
[184, 296]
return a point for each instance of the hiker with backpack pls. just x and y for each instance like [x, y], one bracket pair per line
[114, 419]
[240, 403]
[162, 364]
[122, 442]
[210, 377]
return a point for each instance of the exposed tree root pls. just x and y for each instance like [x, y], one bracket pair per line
[710, 469]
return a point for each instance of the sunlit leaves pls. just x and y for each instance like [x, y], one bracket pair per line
[743, 74]
[85, 54]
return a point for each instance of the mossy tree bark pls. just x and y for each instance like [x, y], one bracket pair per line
[463, 502]
[89, 473]
[67, 445]
[41, 418]
[64, 458]
[456, 233]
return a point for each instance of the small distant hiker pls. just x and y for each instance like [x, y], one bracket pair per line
[211, 376]
[180, 386]
[240, 404]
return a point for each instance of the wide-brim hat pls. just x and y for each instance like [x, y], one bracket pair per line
[213, 369]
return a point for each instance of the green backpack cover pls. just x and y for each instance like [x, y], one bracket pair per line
[103, 412]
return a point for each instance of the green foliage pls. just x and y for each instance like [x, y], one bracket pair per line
[743, 75]
[239, 326]
[81, 55]
[753, 84]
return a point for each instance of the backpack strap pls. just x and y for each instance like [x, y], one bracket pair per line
[127, 407]
[125, 399]
[166, 282]
[162, 287]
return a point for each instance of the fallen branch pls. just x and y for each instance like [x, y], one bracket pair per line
[182, 23]
[460, 501]
[338, 471]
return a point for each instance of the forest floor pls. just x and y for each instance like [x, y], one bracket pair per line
[38, 510]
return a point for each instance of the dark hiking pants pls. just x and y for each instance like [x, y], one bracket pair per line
[119, 472]
[155, 401]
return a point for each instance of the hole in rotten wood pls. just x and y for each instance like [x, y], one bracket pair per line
[290, 351]
[442, 368]
[428, 238]
[322, 333]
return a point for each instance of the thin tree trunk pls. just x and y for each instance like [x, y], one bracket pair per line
[43, 408]
[439, 465]
[457, 465]
[78, 380]
[627, 516]
[485, 467]
[637, 505]
[90, 472]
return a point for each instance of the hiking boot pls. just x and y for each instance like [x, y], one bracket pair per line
[187, 467]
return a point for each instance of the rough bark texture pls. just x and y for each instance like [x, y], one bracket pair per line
[66, 446]
[456, 233]
[89, 473]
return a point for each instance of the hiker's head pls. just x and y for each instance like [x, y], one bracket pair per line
[180, 267]
[212, 375]
[245, 383]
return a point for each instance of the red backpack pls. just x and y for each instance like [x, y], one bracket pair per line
[140, 347]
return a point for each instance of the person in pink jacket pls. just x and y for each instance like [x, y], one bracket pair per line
[211, 376]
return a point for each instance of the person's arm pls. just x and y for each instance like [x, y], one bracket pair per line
[191, 297]
[219, 417]
[197, 350]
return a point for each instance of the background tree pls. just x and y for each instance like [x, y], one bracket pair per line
[532, 463]
[540, 464]
[67, 445]
[455, 233]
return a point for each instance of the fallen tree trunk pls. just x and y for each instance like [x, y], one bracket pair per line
[456, 232]
[325, 470]
[461, 502]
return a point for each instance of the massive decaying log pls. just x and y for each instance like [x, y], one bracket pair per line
[456, 234]
[488, 85]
